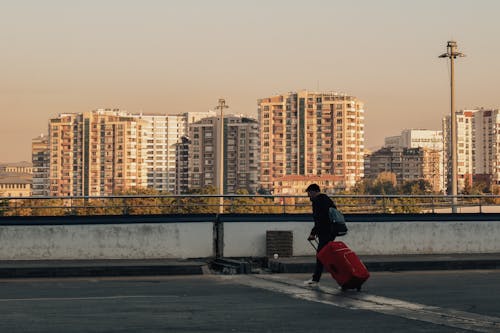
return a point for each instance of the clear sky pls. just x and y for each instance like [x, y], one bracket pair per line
[166, 56]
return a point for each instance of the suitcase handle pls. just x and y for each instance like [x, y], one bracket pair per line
[312, 244]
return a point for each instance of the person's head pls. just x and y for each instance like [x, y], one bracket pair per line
[313, 190]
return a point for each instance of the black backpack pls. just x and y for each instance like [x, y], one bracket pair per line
[337, 219]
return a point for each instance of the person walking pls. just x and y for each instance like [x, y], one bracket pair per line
[322, 229]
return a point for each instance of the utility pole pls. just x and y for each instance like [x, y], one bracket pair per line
[220, 165]
[452, 54]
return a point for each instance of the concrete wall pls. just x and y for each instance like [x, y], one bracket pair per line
[429, 237]
[106, 241]
[181, 239]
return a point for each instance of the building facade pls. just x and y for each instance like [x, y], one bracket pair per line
[407, 164]
[311, 134]
[16, 179]
[478, 147]
[431, 140]
[96, 153]
[107, 152]
[465, 148]
[40, 155]
[240, 156]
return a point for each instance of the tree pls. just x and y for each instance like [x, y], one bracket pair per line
[141, 201]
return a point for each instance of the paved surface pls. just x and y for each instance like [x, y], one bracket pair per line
[430, 301]
[81, 268]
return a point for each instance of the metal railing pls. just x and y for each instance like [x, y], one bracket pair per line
[255, 204]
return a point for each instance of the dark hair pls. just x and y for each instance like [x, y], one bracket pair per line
[313, 188]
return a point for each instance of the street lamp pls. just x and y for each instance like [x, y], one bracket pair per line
[220, 168]
[452, 54]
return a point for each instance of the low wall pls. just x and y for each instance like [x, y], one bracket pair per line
[106, 241]
[375, 238]
[156, 237]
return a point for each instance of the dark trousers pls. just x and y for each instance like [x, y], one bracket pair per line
[322, 241]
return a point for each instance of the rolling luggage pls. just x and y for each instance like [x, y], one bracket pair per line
[344, 265]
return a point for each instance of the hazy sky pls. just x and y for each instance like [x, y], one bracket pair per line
[161, 56]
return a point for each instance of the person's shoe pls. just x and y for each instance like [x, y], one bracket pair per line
[311, 283]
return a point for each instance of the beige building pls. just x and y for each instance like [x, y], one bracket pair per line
[478, 147]
[95, 153]
[465, 148]
[40, 159]
[240, 156]
[16, 179]
[108, 151]
[422, 138]
[297, 184]
[407, 164]
[315, 134]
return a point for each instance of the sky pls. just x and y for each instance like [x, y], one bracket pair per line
[166, 56]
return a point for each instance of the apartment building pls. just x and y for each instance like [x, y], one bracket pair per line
[312, 134]
[422, 138]
[162, 136]
[16, 179]
[40, 155]
[465, 148]
[240, 156]
[107, 151]
[486, 147]
[96, 153]
[407, 164]
[478, 147]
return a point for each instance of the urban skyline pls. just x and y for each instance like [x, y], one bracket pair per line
[303, 136]
[165, 57]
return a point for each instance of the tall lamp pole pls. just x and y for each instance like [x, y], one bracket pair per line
[220, 167]
[452, 54]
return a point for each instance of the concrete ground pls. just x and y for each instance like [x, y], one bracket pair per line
[122, 267]
[408, 301]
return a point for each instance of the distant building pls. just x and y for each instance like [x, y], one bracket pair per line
[161, 137]
[311, 134]
[108, 151]
[407, 164]
[96, 153]
[16, 179]
[478, 147]
[422, 138]
[241, 153]
[18, 167]
[297, 184]
[40, 158]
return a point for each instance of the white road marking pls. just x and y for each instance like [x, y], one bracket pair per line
[363, 301]
[46, 299]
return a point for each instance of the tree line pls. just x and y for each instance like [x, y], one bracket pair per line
[380, 195]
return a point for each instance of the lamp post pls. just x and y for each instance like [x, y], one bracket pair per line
[452, 54]
[220, 162]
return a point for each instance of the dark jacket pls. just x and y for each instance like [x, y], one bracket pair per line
[320, 206]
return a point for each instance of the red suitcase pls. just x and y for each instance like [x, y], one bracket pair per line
[344, 265]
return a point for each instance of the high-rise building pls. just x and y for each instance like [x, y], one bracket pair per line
[478, 147]
[465, 151]
[317, 134]
[164, 144]
[486, 147]
[240, 156]
[407, 164]
[162, 136]
[107, 151]
[40, 160]
[96, 153]
[429, 139]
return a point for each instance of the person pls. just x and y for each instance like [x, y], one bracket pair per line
[321, 204]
